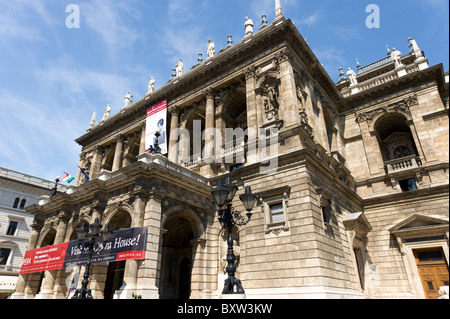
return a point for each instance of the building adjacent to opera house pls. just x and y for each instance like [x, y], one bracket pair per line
[17, 191]
[353, 198]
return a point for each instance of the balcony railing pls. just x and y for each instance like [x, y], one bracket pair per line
[404, 163]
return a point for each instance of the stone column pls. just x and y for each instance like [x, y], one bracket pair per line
[59, 285]
[149, 272]
[82, 165]
[132, 266]
[322, 127]
[209, 124]
[23, 286]
[198, 269]
[372, 149]
[288, 94]
[49, 282]
[252, 116]
[96, 163]
[99, 271]
[142, 146]
[174, 134]
[118, 154]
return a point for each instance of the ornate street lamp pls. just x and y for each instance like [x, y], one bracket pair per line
[155, 149]
[92, 232]
[228, 218]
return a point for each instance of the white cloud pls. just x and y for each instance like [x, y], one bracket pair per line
[348, 33]
[17, 17]
[312, 20]
[331, 58]
[181, 11]
[78, 83]
[110, 22]
[38, 136]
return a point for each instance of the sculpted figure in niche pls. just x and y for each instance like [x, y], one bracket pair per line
[270, 98]
[301, 99]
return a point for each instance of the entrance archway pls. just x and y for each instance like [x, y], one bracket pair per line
[177, 254]
[176, 259]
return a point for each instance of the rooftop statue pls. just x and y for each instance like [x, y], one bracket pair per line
[128, 100]
[179, 68]
[151, 85]
[211, 49]
[107, 112]
[92, 124]
[352, 76]
[248, 26]
[396, 55]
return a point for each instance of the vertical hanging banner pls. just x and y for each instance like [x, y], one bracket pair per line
[157, 121]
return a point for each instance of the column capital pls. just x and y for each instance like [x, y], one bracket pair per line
[119, 137]
[37, 225]
[174, 110]
[250, 72]
[209, 93]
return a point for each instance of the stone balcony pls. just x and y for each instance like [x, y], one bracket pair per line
[403, 164]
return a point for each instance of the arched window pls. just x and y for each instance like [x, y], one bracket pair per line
[22, 203]
[395, 137]
[16, 202]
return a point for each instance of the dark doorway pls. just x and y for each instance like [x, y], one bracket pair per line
[176, 266]
[114, 278]
[185, 279]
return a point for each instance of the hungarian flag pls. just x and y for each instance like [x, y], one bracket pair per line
[67, 178]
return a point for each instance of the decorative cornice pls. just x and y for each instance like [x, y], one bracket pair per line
[398, 107]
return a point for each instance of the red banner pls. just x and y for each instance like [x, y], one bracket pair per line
[122, 245]
[42, 259]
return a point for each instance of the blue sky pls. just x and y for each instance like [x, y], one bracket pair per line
[53, 78]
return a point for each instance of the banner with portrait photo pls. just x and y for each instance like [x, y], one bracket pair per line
[157, 121]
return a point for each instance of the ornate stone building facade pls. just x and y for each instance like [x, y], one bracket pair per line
[352, 180]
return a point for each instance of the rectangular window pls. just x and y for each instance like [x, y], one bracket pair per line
[408, 185]
[326, 214]
[275, 206]
[434, 255]
[4, 254]
[12, 228]
[277, 213]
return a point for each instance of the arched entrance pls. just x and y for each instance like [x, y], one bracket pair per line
[177, 256]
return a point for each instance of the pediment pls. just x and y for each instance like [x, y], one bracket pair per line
[358, 222]
[420, 225]
[8, 244]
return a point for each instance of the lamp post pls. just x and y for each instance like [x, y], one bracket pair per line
[228, 218]
[55, 188]
[93, 232]
[155, 149]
